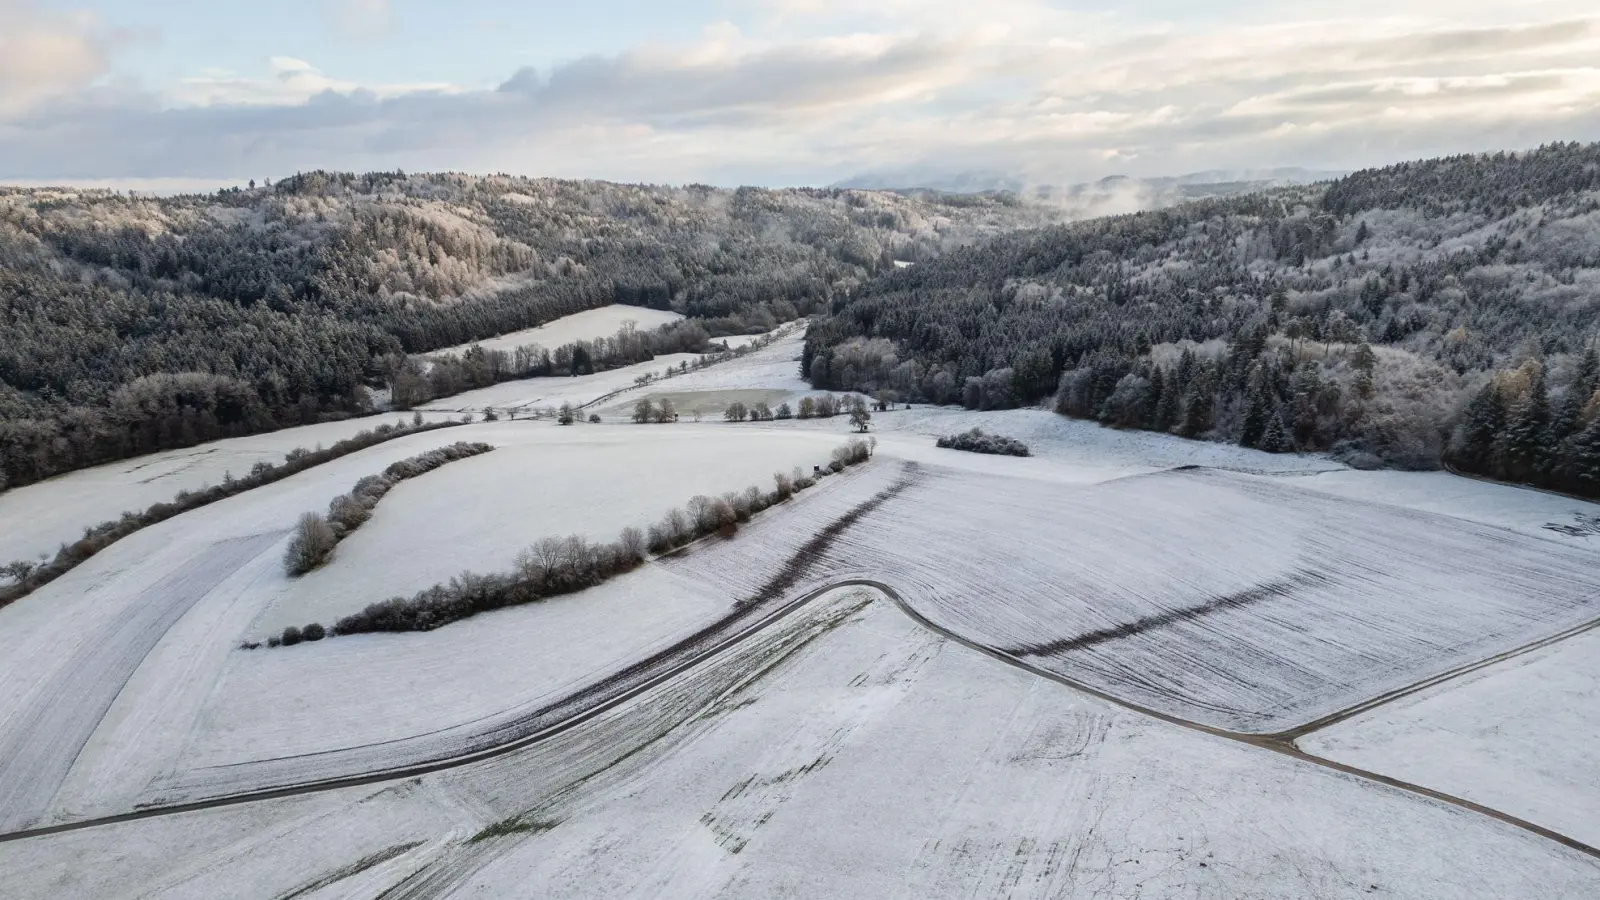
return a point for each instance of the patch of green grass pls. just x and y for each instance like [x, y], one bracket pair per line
[513, 825]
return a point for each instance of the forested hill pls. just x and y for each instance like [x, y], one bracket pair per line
[1436, 311]
[129, 324]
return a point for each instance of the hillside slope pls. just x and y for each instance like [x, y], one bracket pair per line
[132, 324]
[1360, 315]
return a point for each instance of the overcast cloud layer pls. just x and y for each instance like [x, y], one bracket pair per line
[810, 91]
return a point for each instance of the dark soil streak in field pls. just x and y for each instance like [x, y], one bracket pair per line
[1283, 587]
[812, 550]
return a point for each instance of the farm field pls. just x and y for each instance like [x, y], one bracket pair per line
[542, 480]
[715, 721]
[1236, 602]
[1515, 736]
[772, 368]
[1496, 504]
[547, 393]
[40, 517]
[188, 692]
[588, 325]
[916, 766]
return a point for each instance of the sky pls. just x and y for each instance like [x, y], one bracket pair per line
[176, 94]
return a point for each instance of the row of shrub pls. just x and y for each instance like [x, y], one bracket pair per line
[556, 566]
[315, 536]
[825, 406]
[976, 441]
[28, 577]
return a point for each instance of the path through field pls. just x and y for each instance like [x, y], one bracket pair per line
[41, 744]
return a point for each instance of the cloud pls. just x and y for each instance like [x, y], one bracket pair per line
[288, 81]
[360, 19]
[843, 86]
[726, 79]
[43, 54]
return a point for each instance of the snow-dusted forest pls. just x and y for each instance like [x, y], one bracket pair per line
[1427, 313]
[132, 324]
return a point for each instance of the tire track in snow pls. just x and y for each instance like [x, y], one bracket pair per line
[1265, 742]
[44, 739]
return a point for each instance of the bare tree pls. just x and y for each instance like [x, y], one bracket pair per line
[860, 419]
[702, 512]
[313, 541]
[632, 543]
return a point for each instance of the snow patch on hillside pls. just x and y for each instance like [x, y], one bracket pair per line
[588, 325]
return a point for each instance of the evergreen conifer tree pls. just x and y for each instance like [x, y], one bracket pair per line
[1273, 438]
[1158, 397]
[1366, 363]
[1481, 426]
[1526, 447]
[1197, 404]
[1256, 408]
[1582, 470]
[1584, 383]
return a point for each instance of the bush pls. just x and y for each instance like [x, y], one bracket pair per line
[784, 412]
[313, 542]
[975, 441]
[852, 452]
[291, 636]
[594, 418]
[313, 632]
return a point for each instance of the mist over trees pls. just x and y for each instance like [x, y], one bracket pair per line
[134, 324]
[1442, 311]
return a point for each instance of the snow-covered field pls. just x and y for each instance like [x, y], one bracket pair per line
[37, 519]
[775, 367]
[530, 394]
[1238, 602]
[1522, 736]
[847, 750]
[542, 481]
[185, 699]
[845, 753]
[81, 633]
[1521, 509]
[585, 326]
